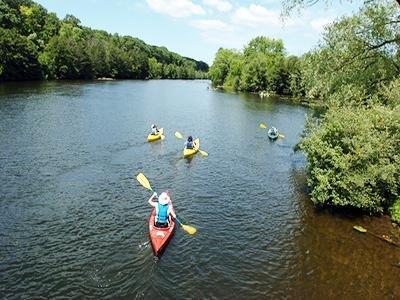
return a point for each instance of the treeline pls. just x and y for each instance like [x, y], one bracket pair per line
[35, 44]
[353, 152]
[262, 66]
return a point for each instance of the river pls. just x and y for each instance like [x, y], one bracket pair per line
[74, 219]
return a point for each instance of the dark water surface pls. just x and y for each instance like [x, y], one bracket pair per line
[74, 220]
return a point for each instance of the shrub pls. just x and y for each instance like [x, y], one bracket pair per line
[395, 211]
[354, 158]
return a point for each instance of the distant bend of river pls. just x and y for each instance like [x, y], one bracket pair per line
[73, 218]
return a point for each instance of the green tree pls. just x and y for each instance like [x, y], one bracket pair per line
[18, 57]
[360, 51]
[262, 66]
[264, 45]
[155, 68]
[9, 17]
[221, 66]
[64, 49]
[263, 63]
[290, 5]
[354, 158]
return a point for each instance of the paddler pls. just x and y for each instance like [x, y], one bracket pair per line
[274, 131]
[154, 129]
[164, 209]
[189, 144]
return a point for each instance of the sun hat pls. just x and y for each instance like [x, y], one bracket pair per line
[163, 198]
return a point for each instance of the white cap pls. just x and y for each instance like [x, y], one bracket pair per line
[163, 198]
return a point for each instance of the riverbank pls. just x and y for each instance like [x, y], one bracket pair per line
[306, 102]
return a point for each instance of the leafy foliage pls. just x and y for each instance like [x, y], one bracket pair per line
[18, 57]
[359, 51]
[261, 66]
[395, 211]
[354, 151]
[354, 158]
[290, 5]
[36, 45]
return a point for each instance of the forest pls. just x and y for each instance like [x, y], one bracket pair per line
[36, 45]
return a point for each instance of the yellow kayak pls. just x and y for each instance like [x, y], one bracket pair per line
[190, 152]
[155, 137]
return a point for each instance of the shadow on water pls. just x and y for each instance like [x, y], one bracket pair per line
[334, 260]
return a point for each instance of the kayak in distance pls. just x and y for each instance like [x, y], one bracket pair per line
[154, 137]
[273, 133]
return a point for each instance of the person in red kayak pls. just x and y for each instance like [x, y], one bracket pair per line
[164, 209]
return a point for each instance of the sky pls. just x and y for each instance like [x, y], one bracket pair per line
[198, 28]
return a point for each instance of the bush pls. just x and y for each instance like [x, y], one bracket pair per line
[395, 211]
[354, 158]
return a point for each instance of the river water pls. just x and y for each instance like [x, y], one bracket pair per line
[73, 218]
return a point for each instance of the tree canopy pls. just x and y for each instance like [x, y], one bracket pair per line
[262, 66]
[290, 5]
[35, 44]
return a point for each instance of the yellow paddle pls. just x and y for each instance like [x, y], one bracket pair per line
[146, 184]
[143, 181]
[187, 228]
[178, 135]
[204, 153]
[263, 126]
[383, 237]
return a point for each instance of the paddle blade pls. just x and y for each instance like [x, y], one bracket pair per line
[263, 126]
[281, 136]
[143, 181]
[178, 135]
[204, 153]
[189, 229]
[359, 228]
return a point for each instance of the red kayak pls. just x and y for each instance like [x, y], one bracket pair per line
[159, 237]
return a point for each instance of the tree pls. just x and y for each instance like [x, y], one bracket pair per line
[18, 57]
[353, 158]
[290, 5]
[44, 46]
[221, 66]
[9, 17]
[362, 51]
[264, 45]
[155, 69]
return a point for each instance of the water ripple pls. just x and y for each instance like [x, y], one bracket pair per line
[74, 219]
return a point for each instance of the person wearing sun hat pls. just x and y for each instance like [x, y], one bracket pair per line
[164, 209]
